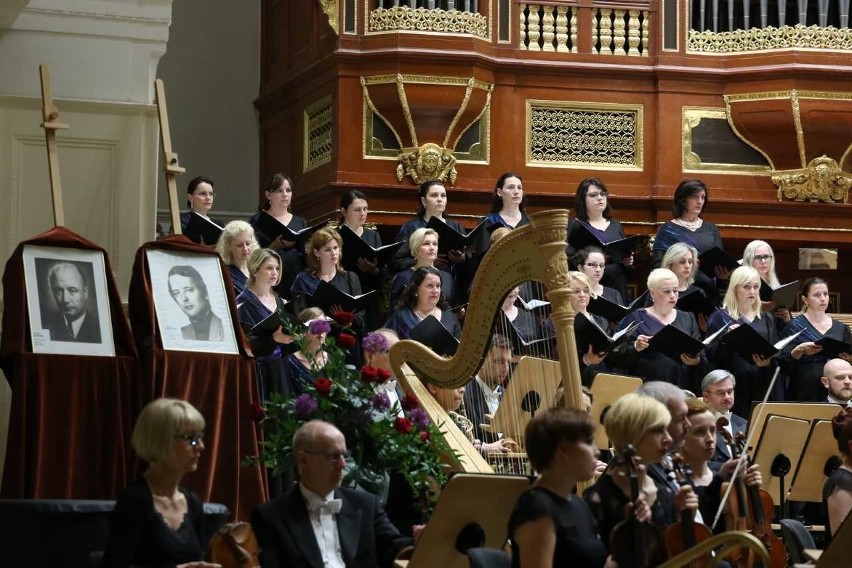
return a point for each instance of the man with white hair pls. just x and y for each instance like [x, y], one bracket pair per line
[718, 388]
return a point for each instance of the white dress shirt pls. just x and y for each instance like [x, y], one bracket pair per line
[324, 523]
[492, 396]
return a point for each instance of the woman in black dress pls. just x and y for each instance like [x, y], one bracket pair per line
[199, 199]
[591, 261]
[593, 211]
[156, 521]
[421, 299]
[837, 492]
[235, 246]
[507, 210]
[353, 210]
[551, 525]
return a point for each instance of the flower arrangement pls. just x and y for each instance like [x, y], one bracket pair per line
[378, 437]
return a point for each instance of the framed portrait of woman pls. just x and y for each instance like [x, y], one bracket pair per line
[67, 301]
[191, 302]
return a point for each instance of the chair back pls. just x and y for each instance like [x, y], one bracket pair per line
[796, 539]
[481, 557]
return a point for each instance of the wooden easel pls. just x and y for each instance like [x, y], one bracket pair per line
[50, 115]
[171, 167]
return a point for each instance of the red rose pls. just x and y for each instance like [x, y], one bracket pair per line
[410, 402]
[346, 340]
[403, 425]
[343, 318]
[323, 386]
[369, 374]
[256, 412]
[424, 435]
[384, 375]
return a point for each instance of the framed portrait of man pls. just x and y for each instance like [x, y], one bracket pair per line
[191, 303]
[67, 301]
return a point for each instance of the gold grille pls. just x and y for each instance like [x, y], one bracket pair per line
[762, 39]
[581, 135]
[319, 134]
[403, 18]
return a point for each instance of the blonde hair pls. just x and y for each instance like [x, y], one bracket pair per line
[158, 425]
[318, 240]
[257, 259]
[673, 254]
[417, 237]
[582, 279]
[740, 276]
[631, 417]
[658, 275]
[231, 231]
[748, 260]
[310, 314]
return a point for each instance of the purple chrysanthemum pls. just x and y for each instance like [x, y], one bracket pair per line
[381, 402]
[375, 343]
[305, 405]
[419, 418]
[319, 326]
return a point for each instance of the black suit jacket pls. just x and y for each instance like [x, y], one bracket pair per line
[89, 332]
[286, 537]
[475, 408]
[722, 454]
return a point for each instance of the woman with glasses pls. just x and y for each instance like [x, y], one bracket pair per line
[759, 255]
[741, 306]
[199, 199]
[591, 261]
[156, 521]
[279, 196]
[593, 212]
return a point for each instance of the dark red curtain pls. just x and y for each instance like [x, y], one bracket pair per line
[221, 386]
[69, 430]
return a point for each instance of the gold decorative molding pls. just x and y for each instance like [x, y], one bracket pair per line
[691, 161]
[329, 8]
[405, 19]
[429, 161]
[822, 180]
[764, 39]
[318, 136]
[569, 134]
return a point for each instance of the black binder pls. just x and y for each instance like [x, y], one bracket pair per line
[745, 341]
[450, 239]
[202, 230]
[608, 309]
[671, 342]
[432, 333]
[601, 342]
[520, 344]
[784, 295]
[273, 228]
[260, 335]
[711, 258]
[831, 347]
[581, 237]
[354, 247]
[326, 295]
[695, 302]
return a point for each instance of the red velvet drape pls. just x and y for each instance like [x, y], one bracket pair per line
[221, 386]
[69, 430]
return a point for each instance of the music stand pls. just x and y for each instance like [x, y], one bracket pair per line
[473, 510]
[809, 478]
[532, 389]
[805, 411]
[606, 389]
[781, 435]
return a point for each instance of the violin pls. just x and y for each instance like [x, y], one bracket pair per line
[635, 544]
[686, 533]
[750, 508]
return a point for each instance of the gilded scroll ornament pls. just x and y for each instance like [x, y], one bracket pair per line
[427, 162]
[403, 18]
[763, 39]
[329, 8]
[822, 180]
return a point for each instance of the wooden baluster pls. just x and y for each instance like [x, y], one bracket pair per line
[646, 30]
[522, 37]
[561, 28]
[573, 30]
[633, 32]
[534, 28]
[618, 33]
[605, 31]
[548, 28]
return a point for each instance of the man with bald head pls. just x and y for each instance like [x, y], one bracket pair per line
[320, 524]
[70, 290]
[837, 380]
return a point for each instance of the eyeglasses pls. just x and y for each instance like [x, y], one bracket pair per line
[330, 456]
[204, 194]
[193, 439]
[763, 257]
[594, 265]
[596, 194]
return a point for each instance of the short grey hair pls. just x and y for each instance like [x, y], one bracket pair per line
[715, 377]
[662, 391]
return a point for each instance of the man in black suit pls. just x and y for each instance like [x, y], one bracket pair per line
[319, 524]
[717, 388]
[73, 321]
[482, 394]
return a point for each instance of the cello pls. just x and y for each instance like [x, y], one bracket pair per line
[686, 533]
[750, 508]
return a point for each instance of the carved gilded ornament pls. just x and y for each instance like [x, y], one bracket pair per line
[329, 8]
[822, 180]
[763, 39]
[403, 18]
[427, 162]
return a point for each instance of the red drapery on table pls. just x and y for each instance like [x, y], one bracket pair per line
[221, 386]
[71, 419]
